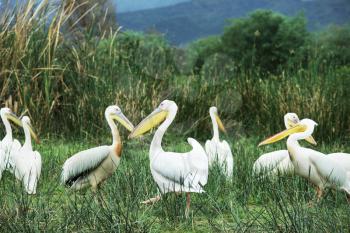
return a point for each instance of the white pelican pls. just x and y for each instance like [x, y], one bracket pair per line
[343, 159]
[278, 162]
[27, 163]
[173, 172]
[93, 166]
[219, 151]
[319, 169]
[8, 145]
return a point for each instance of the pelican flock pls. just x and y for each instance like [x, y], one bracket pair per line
[219, 151]
[314, 166]
[172, 171]
[91, 167]
[278, 162]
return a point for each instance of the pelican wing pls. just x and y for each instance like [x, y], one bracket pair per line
[210, 149]
[329, 169]
[227, 158]
[181, 171]
[220, 152]
[83, 162]
[171, 166]
[271, 161]
[21, 166]
[37, 162]
[198, 161]
[2, 161]
[16, 145]
[342, 158]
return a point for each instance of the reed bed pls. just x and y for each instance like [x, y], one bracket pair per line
[64, 76]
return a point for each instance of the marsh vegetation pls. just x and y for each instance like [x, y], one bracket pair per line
[64, 73]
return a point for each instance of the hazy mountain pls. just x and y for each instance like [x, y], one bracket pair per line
[187, 21]
[134, 5]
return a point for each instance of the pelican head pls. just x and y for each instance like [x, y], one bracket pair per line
[115, 113]
[26, 124]
[155, 118]
[8, 114]
[290, 120]
[303, 128]
[213, 111]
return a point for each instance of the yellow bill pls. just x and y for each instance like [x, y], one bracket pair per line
[123, 121]
[277, 137]
[311, 140]
[290, 124]
[35, 137]
[220, 124]
[152, 120]
[12, 117]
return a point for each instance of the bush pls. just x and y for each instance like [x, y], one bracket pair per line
[265, 40]
[332, 45]
[201, 49]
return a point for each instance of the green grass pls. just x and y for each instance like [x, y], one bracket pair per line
[243, 204]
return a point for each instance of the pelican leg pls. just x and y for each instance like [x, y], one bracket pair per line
[152, 200]
[98, 198]
[94, 192]
[188, 203]
[319, 192]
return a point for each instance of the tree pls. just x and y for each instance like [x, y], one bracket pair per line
[202, 49]
[265, 40]
[333, 45]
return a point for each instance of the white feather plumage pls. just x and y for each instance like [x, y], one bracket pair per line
[219, 151]
[181, 172]
[277, 162]
[27, 168]
[91, 167]
[83, 161]
[274, 163]
[27, 163]
[8, 145]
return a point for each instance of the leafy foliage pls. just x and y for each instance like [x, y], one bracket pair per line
[264, 40]
[333, 45]
[202, 49]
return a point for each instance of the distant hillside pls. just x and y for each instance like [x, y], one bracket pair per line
[134, 5]
[187, 21]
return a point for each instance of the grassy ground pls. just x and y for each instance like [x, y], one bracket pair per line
[242, 204]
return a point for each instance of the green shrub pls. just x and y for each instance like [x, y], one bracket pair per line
[265, 40]
[201, 49]
[332, 45]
